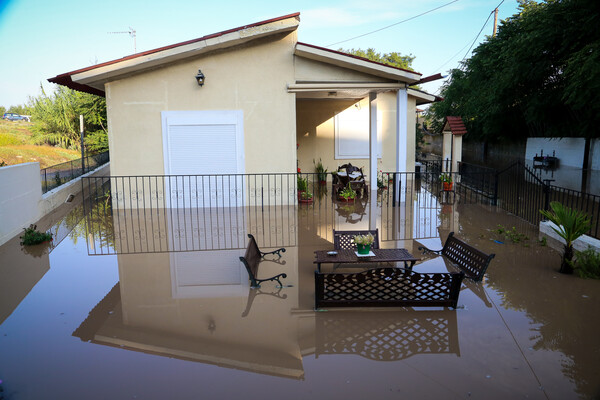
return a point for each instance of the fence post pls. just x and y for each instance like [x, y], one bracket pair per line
[395, 184]
[496, 179]
[547, 192]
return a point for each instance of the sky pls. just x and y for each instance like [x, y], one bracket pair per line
[42, 38]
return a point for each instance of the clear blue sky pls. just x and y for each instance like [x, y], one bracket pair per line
[43, 38]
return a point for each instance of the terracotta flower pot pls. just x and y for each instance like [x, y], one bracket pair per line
[447, 186]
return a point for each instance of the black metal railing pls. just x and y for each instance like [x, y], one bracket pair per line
[522, 193]
[132, 214]
[56, 175]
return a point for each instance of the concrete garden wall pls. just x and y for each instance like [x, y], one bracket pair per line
[21, 199]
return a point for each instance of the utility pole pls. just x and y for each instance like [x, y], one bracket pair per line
[82, 148]
[495, 21]
[130, 32]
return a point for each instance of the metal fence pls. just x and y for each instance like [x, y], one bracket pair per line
[56, 175]
[134, 214]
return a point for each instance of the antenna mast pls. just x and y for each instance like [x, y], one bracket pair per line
[130, 32]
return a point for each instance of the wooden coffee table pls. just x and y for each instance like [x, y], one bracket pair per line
[350, 257]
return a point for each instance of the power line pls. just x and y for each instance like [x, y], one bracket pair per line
[481, 30]
[389, 26]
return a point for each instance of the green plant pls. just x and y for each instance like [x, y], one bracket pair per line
[306, 195]
[544, 241]
[320, 170]
[302, 183]
[587, 264]
[512, 234]
[57, 179]
[364, 240]
[446, 177]
[347, 193]
[32, 236]
[571, 224]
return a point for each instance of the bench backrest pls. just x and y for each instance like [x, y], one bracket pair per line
[387, 287]
[252, 258]
[345, 239]
[470, 260]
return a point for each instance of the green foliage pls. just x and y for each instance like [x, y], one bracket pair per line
[9, 140]
[2, 110]
[347, 193]
[307, 195]
[32, 236]
[56, 117]
[19, 109]
[302, 183]
[531, 79]
[446, 178]
[96, 142]
[320, 170]
[571, 224]
[512, 234]
[394, 59]
[587, 264]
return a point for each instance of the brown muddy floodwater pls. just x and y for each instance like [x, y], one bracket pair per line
[185, 325]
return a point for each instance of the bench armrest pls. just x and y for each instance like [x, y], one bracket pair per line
[426, 250]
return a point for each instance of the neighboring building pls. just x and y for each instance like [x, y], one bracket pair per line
[268, 104]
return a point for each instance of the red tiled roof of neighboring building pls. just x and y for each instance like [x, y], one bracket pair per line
[457, 127]
[65, 79]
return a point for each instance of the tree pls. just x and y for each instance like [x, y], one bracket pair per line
[56, 119]
[571, 224]
[394, 59]
[19, 109]
[531, 79]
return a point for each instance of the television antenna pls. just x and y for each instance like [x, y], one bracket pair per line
[130, 32]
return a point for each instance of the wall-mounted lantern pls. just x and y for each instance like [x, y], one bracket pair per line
[200, 78]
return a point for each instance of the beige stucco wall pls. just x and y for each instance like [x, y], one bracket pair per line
[316, 133]
[250, 77]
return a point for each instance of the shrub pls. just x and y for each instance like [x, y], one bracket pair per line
[587, 264]
[33, 236]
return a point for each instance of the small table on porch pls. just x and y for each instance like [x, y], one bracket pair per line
[346, 256]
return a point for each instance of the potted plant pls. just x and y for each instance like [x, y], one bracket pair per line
[446, 179]
[32, 236]
[571, 224]
[302, 184]
[347, 194]
[321, 172]
[305, 197]
[363, 243]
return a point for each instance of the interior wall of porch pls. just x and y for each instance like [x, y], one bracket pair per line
[315, 132]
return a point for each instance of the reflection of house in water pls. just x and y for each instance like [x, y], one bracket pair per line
[195, 306]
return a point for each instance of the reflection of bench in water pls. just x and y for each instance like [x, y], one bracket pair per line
[387, 287]
[386, 336]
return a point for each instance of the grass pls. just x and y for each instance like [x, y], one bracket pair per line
[16, 147]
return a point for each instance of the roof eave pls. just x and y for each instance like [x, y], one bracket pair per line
[92, 79]
[355, 63]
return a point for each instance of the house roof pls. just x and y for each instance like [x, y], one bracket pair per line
[455, 125]
[91, 79]
[356, 63]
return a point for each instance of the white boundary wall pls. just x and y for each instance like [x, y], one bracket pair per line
[21, 199]
[580, 244]
[20, 194]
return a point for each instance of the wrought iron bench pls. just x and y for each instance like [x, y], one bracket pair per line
[345, 239]
[467, 258]
[387, 287]
[252, 259]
